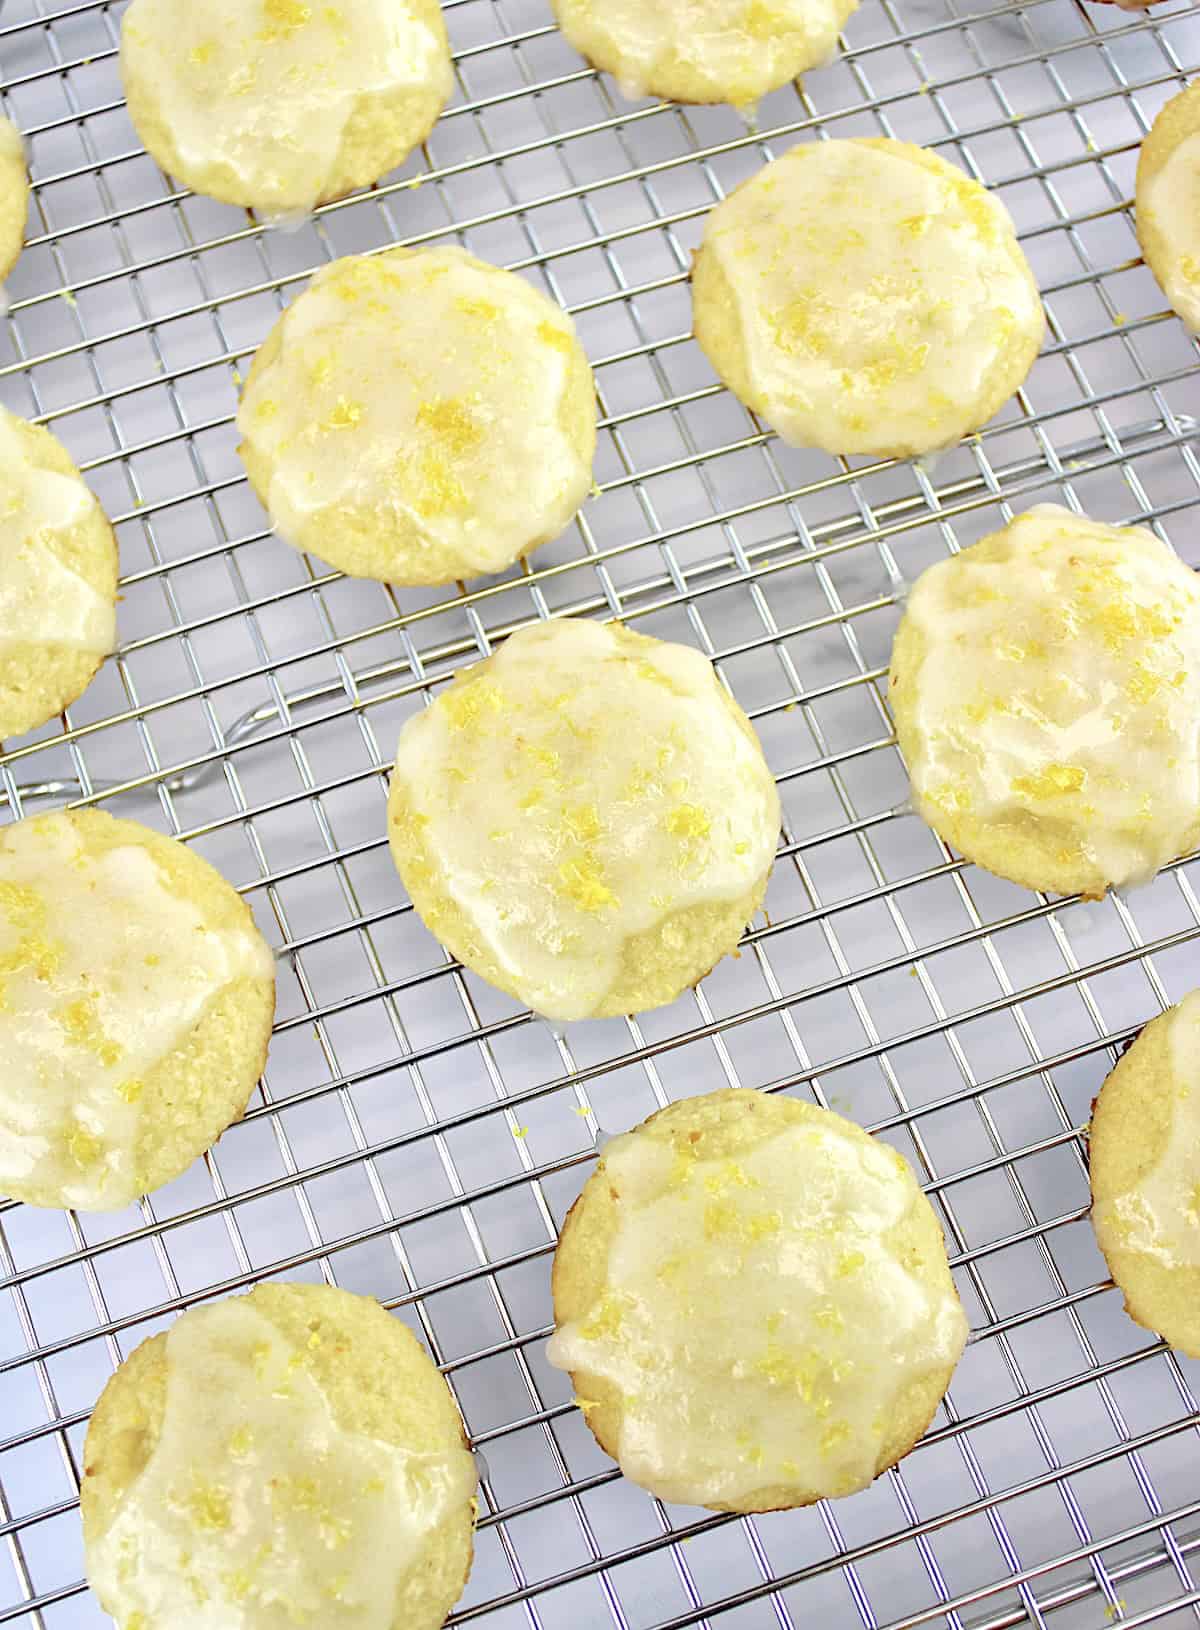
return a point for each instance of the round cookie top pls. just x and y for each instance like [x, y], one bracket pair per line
[121, 1061]
[14, 195]
[1167, 198]
[753, 1300]
[711, 51]
[58, 578]
[581, 788]
[279, 105]
[286, 1458]
[420, 416]
[1046, 686]
[1144, 1154]
[864, 296]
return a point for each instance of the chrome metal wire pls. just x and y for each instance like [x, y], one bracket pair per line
[416, 1136]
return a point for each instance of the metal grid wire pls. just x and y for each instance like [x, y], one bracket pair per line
[416, 1136]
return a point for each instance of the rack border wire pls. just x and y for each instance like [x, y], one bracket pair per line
[251, 709]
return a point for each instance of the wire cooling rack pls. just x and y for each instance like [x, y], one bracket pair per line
[416, 1136]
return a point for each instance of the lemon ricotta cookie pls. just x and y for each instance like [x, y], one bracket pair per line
[753, 1301]
[58, 578]
[14, 195]
[1045, 685]
[280, 105]
[585, 819]
[864, 296]
[136, 998]
[1145, 1170]
[287, 1458]
[420, 417]
[712, 51]
[1167, 200]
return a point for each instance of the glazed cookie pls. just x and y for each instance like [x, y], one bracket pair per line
[1145, 1168]
[1168, 202]
[753, 1301]
[714, 51]
[58, 578]
[865, 296]
[14, 196]
[419, 416]
[291, 1457]
[280, 105]
[136, 998]
[1045, 685]
[586, 819]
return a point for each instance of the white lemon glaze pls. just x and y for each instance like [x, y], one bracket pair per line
[42, 601]
[256, 1511]
[1161, 1214]
[876, 297]
[264, 88]
[754, 44]
[578, 791]
[427, 386]
[102, 972]
[756, 1318]
[1171, 200]
[1063, 681]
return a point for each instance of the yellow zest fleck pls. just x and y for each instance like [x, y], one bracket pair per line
[451, 420]
[465, 704]
[84, 1148]
[23, 905]
[1055, 781]
[580, 881]
[834, 1436]
[241, 1441]
[605, 1320]
[849, 1263]
[555, 337]
[729, 1174]
[209, 1507]
[131, 1090]
[238, 1582]
[688, 821]
[283, 18]
[345, 415]
[582, 822]
[436, 489]
[81, 1022]
[200, 54]
[472, 306]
